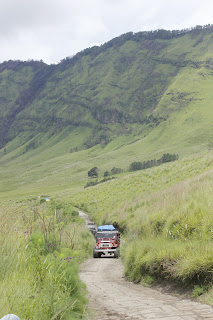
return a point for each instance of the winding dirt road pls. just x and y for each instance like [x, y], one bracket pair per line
[112, 297]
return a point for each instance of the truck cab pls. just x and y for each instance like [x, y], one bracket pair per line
[107, 241]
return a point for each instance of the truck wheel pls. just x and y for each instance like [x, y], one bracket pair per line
[95, 254]
[116, 254]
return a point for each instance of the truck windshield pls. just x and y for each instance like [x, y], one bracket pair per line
[106, 235]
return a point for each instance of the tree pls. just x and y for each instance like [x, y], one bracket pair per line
[93, 173]
[135, 166]
[116, 170]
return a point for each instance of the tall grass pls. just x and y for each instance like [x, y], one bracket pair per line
[166, 216]
[38, 270]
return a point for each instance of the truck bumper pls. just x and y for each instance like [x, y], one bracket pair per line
[106, 250]
[97, 252]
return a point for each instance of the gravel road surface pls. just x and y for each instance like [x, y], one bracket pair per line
[112, 297]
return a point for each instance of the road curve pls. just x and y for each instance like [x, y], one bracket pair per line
[112, 297]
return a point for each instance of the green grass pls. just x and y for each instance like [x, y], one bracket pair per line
[122, 85]
[152, 83]
[165, 212]
[166, 216]
[40, 256]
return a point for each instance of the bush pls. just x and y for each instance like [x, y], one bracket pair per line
[198, 291]
[93, 183]
[93, 173]
[116, 170]
[137, 165]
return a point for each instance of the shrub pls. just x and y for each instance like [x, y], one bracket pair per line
[93, 173]
[198, 291]
[93, 183]
[137, 165]
[116, 170]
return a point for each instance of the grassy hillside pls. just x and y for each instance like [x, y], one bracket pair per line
[132, 99]
[134, 81]
[135, 98]
[165, 214]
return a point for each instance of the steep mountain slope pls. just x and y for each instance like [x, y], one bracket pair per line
[121, 82]
[135, 97]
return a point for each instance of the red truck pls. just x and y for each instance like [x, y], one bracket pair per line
[107, 241]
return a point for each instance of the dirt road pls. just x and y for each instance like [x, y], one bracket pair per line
[111, 297]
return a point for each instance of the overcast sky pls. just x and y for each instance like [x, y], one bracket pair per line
[54, 29]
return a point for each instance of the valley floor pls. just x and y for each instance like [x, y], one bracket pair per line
[112, 297]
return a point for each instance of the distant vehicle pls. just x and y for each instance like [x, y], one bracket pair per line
[107, 241]
[91, 226]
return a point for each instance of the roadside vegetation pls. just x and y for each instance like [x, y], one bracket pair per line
[165, 214]
[39, 259]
